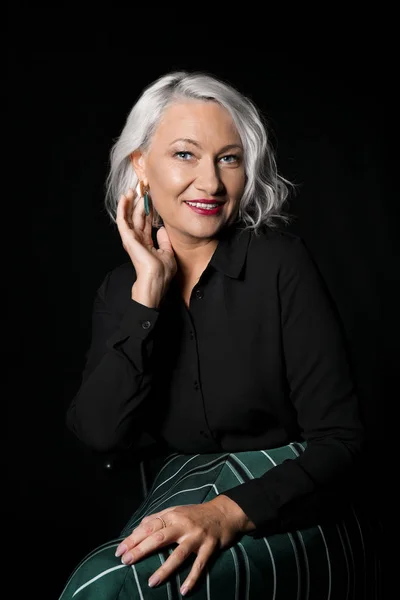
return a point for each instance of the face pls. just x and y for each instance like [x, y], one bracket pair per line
[194, 168]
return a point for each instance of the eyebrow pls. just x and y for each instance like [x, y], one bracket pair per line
[194, 143]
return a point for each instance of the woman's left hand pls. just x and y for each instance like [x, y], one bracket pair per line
[198, 528]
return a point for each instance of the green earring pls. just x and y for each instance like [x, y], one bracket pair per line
[146, 203]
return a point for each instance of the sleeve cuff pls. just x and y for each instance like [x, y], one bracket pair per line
[137, 322]
[252, 500]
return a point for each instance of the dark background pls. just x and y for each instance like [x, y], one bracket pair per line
[71, 85]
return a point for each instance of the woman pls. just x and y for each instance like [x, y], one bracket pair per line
[218, 340]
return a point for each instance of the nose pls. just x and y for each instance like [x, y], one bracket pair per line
[208, 178]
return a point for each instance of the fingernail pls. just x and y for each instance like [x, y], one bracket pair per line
[154, 580]
[184, 589]
[126, 559]
[120, 550]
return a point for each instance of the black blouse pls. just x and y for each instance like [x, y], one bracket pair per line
[257, 361]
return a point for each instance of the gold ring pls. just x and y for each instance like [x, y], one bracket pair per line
[162, 521]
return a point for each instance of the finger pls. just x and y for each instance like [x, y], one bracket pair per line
[129, 207]
[121, 221]
[138, 215]
[178, 556]
[149, 544]
[163, 512]
[141, 532]
[197, 569]
[163, 240]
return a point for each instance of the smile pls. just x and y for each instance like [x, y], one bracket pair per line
[205, 208]
[203, 204]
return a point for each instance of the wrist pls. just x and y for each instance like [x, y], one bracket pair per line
[148, 292]
[233, 512]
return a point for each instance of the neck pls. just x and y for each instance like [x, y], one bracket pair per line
[192, 254]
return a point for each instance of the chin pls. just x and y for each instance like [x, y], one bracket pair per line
[204, 230]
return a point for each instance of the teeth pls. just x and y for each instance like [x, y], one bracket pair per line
[202, 205]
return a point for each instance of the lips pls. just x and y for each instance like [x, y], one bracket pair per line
[201, 206]
[204, 201]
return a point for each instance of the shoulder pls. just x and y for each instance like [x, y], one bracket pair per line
[284, 259]
[279, 247]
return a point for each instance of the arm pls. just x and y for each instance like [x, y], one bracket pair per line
[302, 491]
[117, 376]
[116, 379]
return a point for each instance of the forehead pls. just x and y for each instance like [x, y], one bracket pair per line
[197, 120]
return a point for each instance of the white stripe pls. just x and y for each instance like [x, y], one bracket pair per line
[162, 498]
[137, 582]
[215, 462]
[351, 554]
[296, 557]
[290, 536]
[176, 473]
[247, 571]
[153, 489]
[178, 583]
[234, 561]
[180, 492]
[169, 460]
[307, 565]
[265, 539]
[169, 590]
[346, 561]
[235, 473]
[236, 574]
[273, 566]
[296, 453]
[294, 450]
[363, 546]
[329, 563]
[97, 577]
[208, 585]
[88, 557]
[250, 474]
[154, 501]
[269, 458]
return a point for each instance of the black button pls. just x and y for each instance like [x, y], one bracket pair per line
[196, 385]
[191, 335]
[146, 324]
[199, 294]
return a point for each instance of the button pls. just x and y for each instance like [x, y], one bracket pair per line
[191, 335]
[146, 324]
[196, 385]
[199, 294]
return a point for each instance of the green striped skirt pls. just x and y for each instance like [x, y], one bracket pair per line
[326, 562]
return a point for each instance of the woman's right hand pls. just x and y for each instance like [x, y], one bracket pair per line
[155, 267]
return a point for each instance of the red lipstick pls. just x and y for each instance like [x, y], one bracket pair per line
[202, 210]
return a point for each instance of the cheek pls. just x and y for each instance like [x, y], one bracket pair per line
[167, 184]
[235, 183]
[171, 178]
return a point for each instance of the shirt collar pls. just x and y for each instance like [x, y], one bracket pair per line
[231, 251]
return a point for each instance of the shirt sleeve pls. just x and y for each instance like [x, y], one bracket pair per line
[305, 490]
[117, 377]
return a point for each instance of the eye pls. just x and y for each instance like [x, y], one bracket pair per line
[229, 158]
[183, 155]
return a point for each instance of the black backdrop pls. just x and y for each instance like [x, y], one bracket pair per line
[68, 101]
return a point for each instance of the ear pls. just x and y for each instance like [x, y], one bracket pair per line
[138, 163]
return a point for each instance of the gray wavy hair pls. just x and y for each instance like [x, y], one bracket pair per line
[265, 190]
